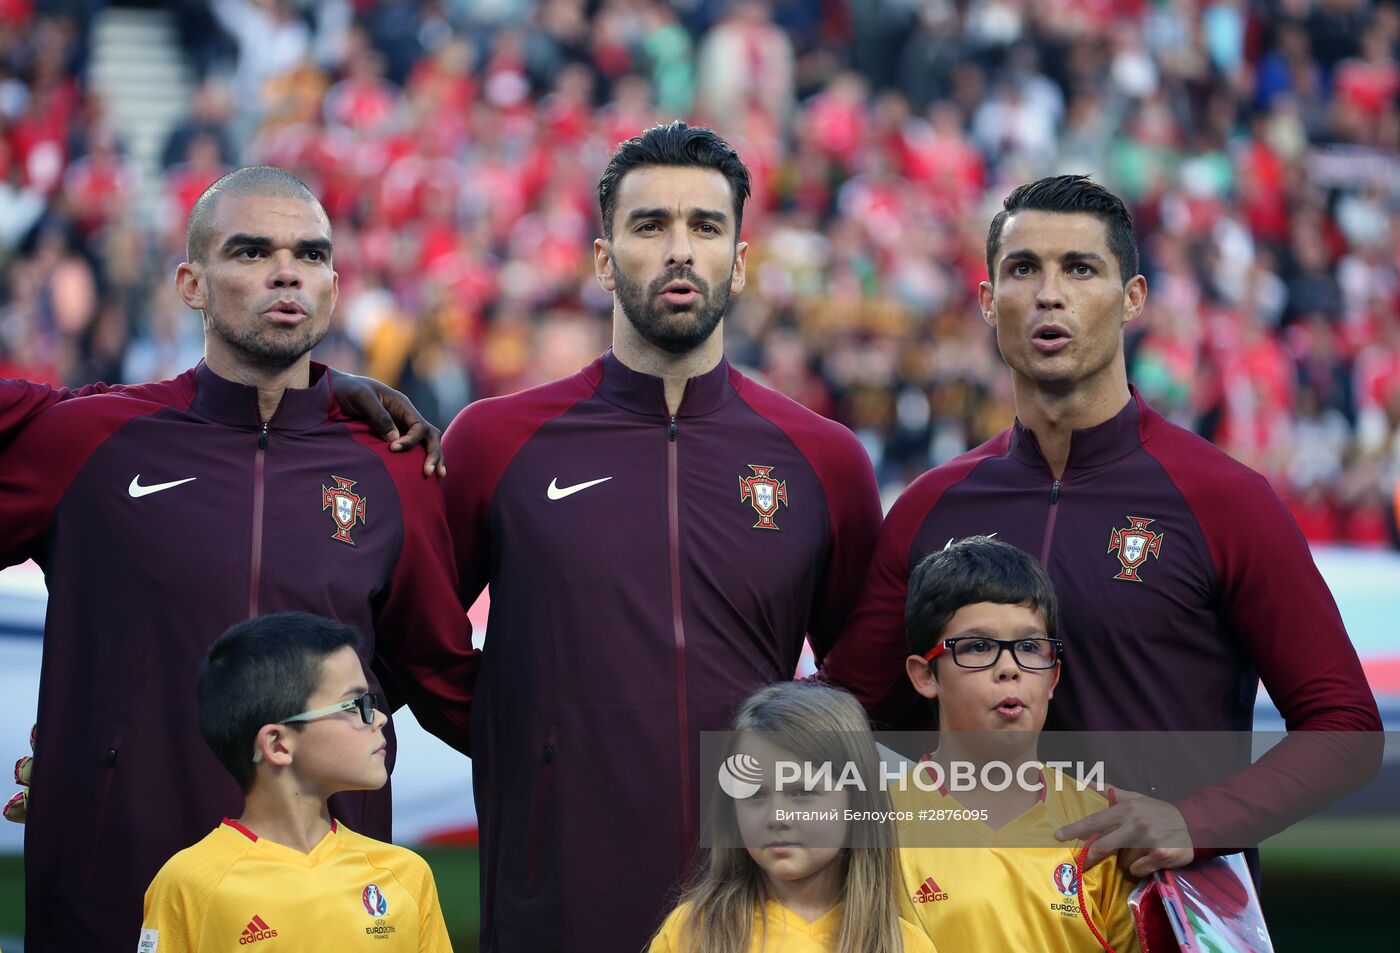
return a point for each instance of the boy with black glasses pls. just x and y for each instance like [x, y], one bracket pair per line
[284, 703]
[981, 622]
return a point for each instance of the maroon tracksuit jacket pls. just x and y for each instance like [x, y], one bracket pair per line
[162, 514]
[646, 574]
[1182, 582]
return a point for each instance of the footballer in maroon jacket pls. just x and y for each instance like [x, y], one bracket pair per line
[659, 533]
[1183, 581]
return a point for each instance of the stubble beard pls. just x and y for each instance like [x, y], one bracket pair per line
[673, 330]
[263, 347]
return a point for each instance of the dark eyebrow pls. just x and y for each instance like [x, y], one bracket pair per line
[355, 692]
[1069, 257]
[979, 632]
[709, 215]
[705, 214]
[244, 240]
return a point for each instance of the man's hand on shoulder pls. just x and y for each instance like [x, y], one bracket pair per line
[390, 415]
[17, 807]
[1146, 833]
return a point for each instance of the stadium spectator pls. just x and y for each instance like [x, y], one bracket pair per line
[1206, 585]
[271, 39]
[208, 118]
[672, 592]
[745, 62]
[165, 512]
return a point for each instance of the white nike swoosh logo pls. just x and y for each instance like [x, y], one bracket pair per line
[137, 490]
[556, 492]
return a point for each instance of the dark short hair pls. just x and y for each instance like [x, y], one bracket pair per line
[972, 570]
[674, 144]
[249, 180]
[258, 673]
[1070, 195]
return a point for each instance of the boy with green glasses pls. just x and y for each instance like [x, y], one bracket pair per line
[284, 703]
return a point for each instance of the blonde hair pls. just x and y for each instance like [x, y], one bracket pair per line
[818, 724]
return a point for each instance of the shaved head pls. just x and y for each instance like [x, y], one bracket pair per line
[261, 180]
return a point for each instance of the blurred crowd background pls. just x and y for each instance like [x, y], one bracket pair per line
[456, 145]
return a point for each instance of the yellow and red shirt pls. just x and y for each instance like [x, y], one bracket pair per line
[984, 895]
[234, 889]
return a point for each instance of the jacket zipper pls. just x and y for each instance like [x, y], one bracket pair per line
[538, 803]
[259, 469]
[108, 774]
[1050, 523]
[678, 624]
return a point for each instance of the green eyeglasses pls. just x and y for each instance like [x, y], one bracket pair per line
[367, 703]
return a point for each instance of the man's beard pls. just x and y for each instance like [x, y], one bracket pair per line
[268, 348]
[675, 331]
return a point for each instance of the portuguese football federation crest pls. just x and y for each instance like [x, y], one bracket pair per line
[1134, 544]
[345, 505]
[764, 493]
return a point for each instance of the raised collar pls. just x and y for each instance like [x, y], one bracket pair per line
[236, 405]
[1092, 446]
[644, 394]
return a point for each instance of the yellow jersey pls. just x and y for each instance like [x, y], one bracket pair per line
[234, 890]
[776, 929]
[986, 896]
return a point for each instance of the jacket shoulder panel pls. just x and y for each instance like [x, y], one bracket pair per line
[832, 450]
[41, 463]
[482, 440]
[911, 511]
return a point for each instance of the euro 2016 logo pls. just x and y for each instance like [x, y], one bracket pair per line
[739, 776]
[375, 903]
[1065, 880]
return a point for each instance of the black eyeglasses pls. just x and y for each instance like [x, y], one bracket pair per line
[974, 651]
[367, 703]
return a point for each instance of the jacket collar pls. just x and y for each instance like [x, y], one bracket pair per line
[236, 405]
[644, 394]
[1093, 446]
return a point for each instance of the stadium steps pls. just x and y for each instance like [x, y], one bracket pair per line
[137, 67]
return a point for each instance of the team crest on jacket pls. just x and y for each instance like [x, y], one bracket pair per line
[345, 505]
[764, 493]
[1134, 543]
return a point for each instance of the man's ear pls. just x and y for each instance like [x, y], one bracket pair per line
[1134, 297]
[739, 277]
[189, 282]
[603, 264]
[274, 744]
[984, 301]
[921, 675]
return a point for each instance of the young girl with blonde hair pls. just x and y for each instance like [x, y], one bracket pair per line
[777, 885]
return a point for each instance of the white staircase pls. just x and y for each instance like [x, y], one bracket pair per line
[137, 67]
